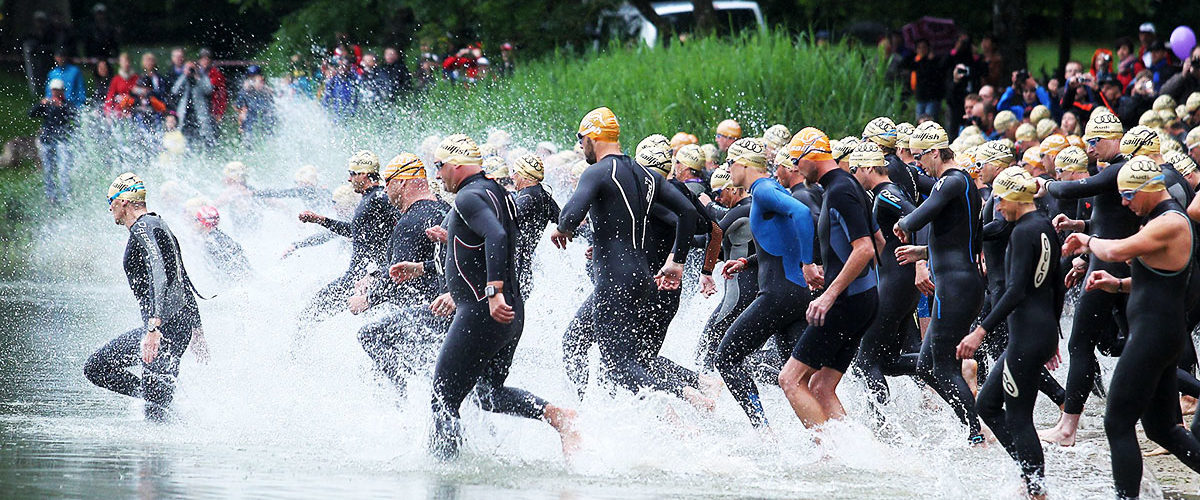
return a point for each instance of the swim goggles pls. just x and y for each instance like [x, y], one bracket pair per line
[1128, 194]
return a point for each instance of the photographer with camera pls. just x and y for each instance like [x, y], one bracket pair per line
[1081, 93]
[192, 93]
[962, 84]
[1024, 95]
[1180, 86]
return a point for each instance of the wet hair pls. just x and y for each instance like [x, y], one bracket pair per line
[946, 154]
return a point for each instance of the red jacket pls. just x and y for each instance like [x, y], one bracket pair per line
[220, 95]
[118, 87]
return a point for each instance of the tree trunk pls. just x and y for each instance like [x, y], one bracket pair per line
[1008, 24]
[664, 29]
[704, 16]
[1065, 16]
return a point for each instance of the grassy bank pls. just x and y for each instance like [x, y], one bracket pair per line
[757, 79]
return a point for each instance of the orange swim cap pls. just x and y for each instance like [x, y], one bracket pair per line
[601, 125]
[810, 144]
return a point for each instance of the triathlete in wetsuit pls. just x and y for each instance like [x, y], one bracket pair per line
[1031, 303]
[881, 349]
[224, 254]
[1099, 316]
[843, 312]
[952, 210]
[306, 190]
[783, 231]
[617, 196]
[535, 209]
[369, 231]
[1144, 382]
[154, 267]
[489, 316]
[737, 243]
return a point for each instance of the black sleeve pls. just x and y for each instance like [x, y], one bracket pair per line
[941, 195]
[924, 182]
[314, 240]
[553, 212]
[478, 215]
[152, 256]
[996, 229]
[676, 202]
[296, 192]
[1104, 181]
[581, 201]
[339, 227]
[1025, 252]
[893, 202]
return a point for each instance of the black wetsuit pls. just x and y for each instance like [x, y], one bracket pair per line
[737, 243]
[617, 196]
[881, 349]
[401, 342]
[845, 218]
[1144, 382]
[1099, 316]
[154, 268]
[782, 299]
[811, 197]
[226, 255]
[905, 177]
[478, 351]
[660, 242]
[535, 209]
[369, 231]
[1031, 303]
[312, 197]
[952, 210]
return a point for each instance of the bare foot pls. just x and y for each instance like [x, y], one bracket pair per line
[698, 399]
[563, 420]
[1059, 437]
[711, 386]
[1159, 451]
[1187, 404]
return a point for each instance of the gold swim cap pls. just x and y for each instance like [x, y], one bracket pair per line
[1026, 133]
[720, 179]
[750, 152]
[1039, 113]
[495, 167]
[867, 155]
[1193, 102]
[235, 170]
[1167, 117]
[841, 149]
[530, 166]
[1045, 128]
[810, 144]
[1015, 184]
[404, 166]
[881, 131]
[1150, 119]
[458, 149]
[1004, 121]
[691, 156]
[929, 135]
[994, 153]
[1192, 139]
[1104, 126]
[1074, 140]
[345, 197]
[777, 136]
[1182, 162]
[904, 132]
[1140, 140]
[729, 128]
[1164, 101]
[1054, 144]
[711, 152]
[363, 162]
[127, 186]
[601, 125]
[1167, 143]
[654, 152]
[1141, 173]
[307, 175]
[1071, 159]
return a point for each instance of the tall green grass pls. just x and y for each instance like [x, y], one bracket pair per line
[758, 79]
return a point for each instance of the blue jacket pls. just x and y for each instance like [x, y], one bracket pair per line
[1013, 101]
[341, 95]
[72, 83]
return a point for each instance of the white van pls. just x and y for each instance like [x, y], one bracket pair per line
[627, 24]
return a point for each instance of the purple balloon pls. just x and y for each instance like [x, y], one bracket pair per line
[1182, 42]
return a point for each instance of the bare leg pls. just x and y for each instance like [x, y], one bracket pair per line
[1064, 432]
[795, 379]
[563, 421]
[824, 387]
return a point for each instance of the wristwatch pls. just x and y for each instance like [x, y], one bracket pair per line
[491, 291]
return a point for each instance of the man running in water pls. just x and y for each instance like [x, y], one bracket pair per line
[490, 315]
[535, 209]
[617, 196]
[882, 347]
[1144, 382]
[165, 295]
[953, 253]
[840, 316]
[398, 342]
[369, 231]
[1031, 303]
[1099, 316]
[783, 231]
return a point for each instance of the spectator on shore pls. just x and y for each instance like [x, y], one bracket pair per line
[178, 62]
[255, 106]
[994, 62]
[121, 85]
[507, 62]
[159, 86]
[38, 50]
[1140, 98]
[219, 101]
[192, 92]
[341, 90]
[299, 79]
[1129, 63]
[370, 83]
[427, 66]
[58, 120]
[1180, 86]
[1024, 95]
[1146, 37]
[963, 87]
[928, 80]
[71, 77]
[103, 38]
[101, 79]
[1160, 65]
[396, 78]
[143, 108]
[1102, 63]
